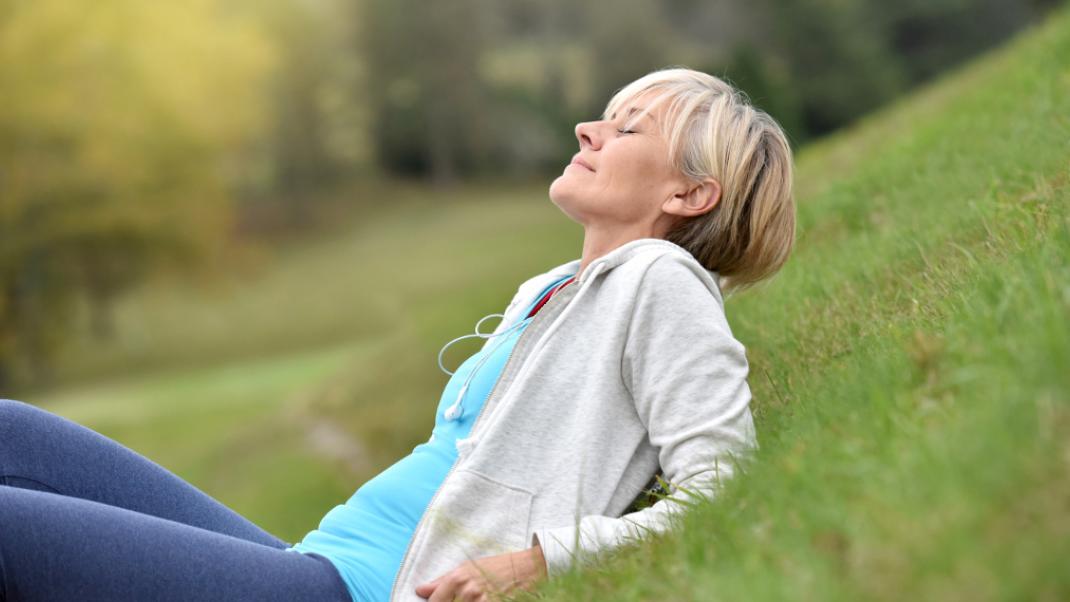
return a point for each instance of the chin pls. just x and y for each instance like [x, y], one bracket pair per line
[556, 190]
[563, 189]
[559, 195]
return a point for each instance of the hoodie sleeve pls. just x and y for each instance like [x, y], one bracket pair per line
[688, 378]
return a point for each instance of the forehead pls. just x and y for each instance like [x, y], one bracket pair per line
[643, 105]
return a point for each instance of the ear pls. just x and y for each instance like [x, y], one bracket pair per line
[695, 199]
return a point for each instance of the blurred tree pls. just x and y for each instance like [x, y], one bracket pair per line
[115, 120]
[847, 57]
[838, 56]
[528, 70]
[533, 98]
[317, 130]
[766, 81]
[932, 35]
[424, 89]
[627, 40]
[301, 158]
[127, 127]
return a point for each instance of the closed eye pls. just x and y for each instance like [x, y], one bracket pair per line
[625, 131]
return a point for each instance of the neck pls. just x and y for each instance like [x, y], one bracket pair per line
[597, 242]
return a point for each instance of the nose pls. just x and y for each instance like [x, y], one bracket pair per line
[586, 133]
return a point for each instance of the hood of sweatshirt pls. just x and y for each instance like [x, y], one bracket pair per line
[607, 262]
[600, 266]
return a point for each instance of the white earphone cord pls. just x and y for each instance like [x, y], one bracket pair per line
[454, 412]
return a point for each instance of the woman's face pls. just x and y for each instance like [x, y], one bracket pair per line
[620, 178]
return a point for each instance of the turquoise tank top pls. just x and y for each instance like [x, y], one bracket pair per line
[366, 537]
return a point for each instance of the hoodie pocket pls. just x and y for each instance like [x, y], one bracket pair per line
[481, 516]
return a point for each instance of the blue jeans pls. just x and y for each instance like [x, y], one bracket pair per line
[84, 518]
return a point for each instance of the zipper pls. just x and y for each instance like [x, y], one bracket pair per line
[472, 432]
[508, 359]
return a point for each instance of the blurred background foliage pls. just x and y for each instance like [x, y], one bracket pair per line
[142, 140]
[234, 234]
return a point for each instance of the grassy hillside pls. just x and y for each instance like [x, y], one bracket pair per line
[908, 365]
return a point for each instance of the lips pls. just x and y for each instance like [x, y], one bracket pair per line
[576, 160]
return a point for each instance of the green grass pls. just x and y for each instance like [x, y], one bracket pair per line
[909, 364]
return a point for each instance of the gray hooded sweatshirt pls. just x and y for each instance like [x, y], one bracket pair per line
[630, 369]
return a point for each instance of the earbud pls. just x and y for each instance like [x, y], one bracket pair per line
[454, 412]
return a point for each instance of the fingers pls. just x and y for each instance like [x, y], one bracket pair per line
[475, 581]
[445, 591]
[458, 586]
[425, 589]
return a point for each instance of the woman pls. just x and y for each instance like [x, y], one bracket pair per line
[602, 372]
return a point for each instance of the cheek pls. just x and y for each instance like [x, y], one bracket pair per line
[637, 162]
[640, 175]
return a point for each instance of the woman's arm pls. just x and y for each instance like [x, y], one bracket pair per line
[688, 377]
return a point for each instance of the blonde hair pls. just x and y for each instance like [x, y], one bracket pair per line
[714, 131]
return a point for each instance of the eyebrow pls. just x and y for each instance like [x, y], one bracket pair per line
[631, 111]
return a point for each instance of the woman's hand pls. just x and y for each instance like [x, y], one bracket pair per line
[474, 580]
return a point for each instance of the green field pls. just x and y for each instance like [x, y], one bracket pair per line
[910, 365]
